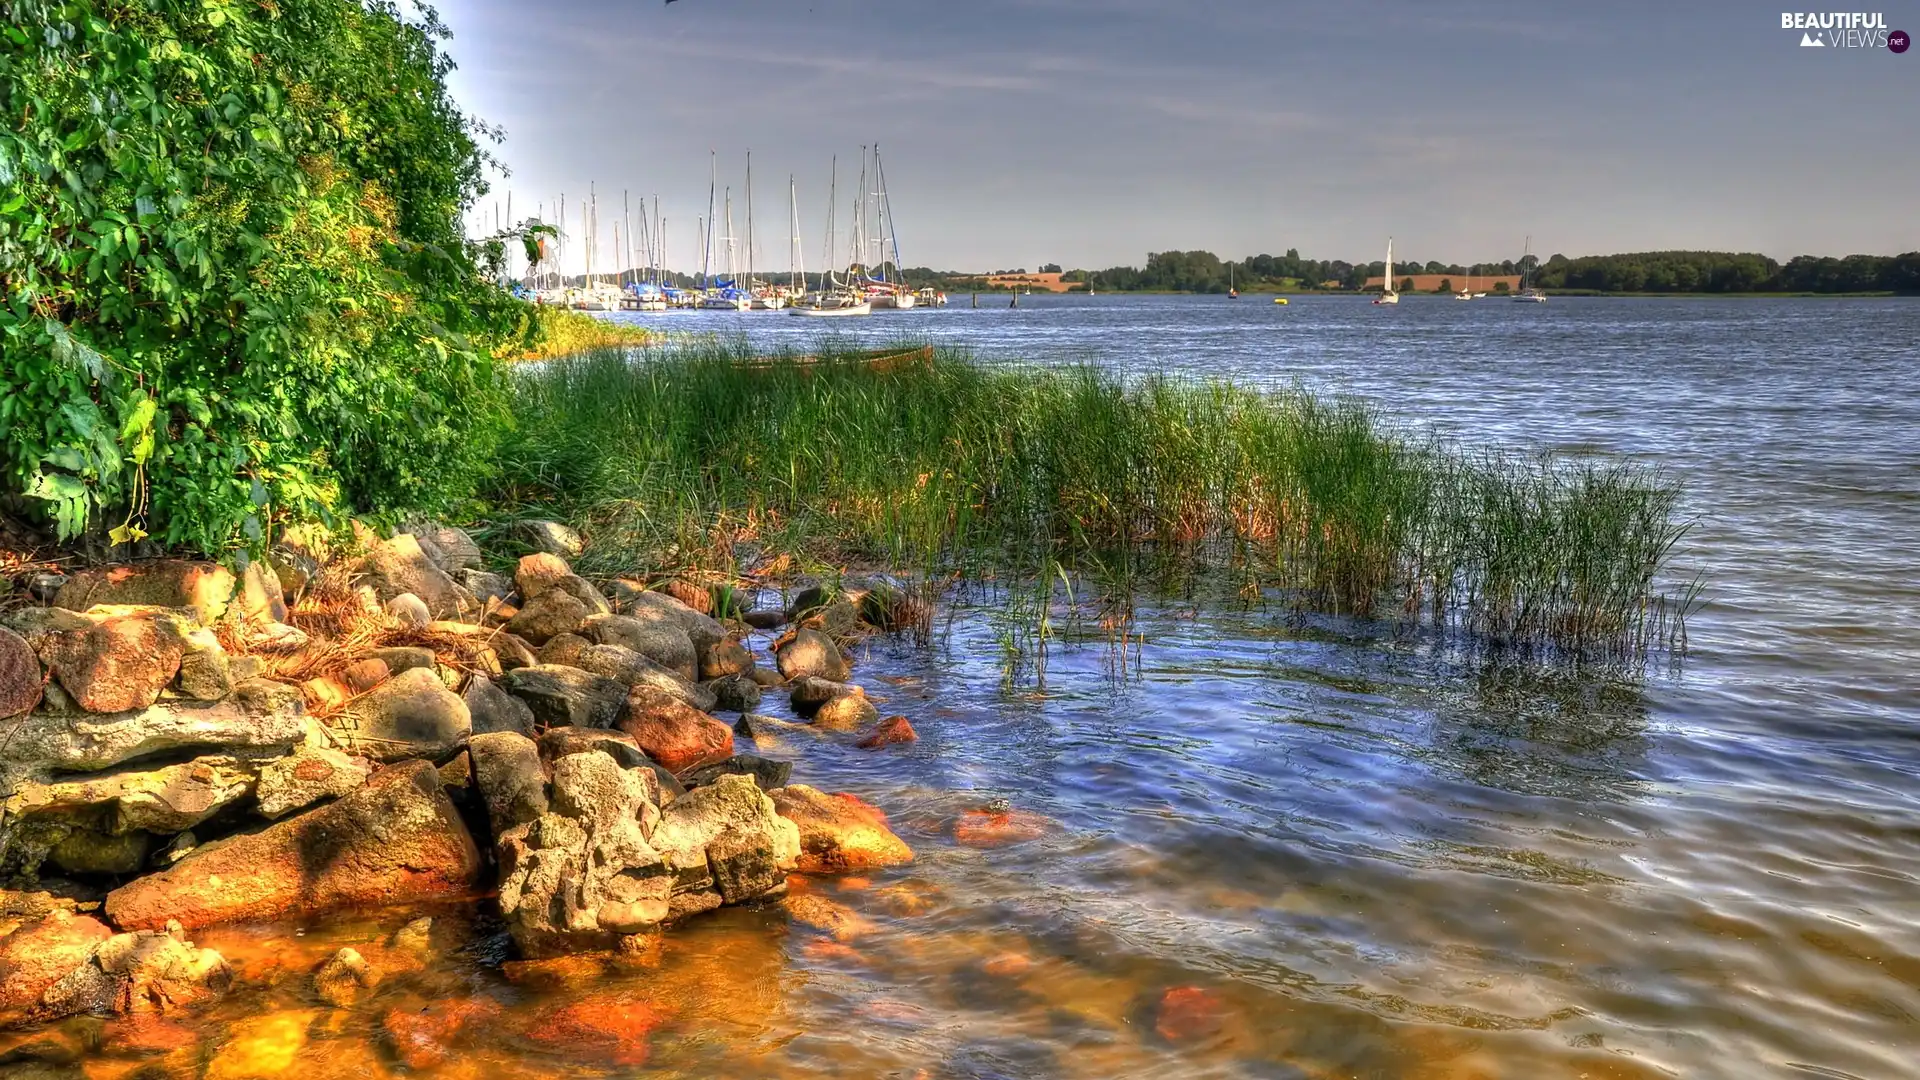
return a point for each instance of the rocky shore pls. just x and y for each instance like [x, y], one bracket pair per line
[185, 747]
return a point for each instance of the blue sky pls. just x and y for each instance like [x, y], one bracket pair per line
[1089, 132]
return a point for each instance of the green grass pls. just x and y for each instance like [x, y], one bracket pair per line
[1036, 474]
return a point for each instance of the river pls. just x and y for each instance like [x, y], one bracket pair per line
[1273, 847]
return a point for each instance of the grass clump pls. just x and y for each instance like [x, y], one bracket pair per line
[548, 333]
[1023, 473]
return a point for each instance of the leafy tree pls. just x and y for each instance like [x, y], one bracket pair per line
[236, 284]
[1446, 286]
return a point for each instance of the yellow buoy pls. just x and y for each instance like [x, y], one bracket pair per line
[1280, 300]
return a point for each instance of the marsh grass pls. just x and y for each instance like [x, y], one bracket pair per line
[1033, 475]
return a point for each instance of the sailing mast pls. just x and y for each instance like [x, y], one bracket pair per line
[796, 258]
[706, 248]
[750, 222]
[833, 195]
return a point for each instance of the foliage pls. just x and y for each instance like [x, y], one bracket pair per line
[1003, 472]
[236, 287]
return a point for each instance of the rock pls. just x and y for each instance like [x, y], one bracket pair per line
[617, 745]
[206, 588]
[487, 588]
[41, 745]
[394, 840]
[726, 658]
[306, 776]
[262, 1047]
[83, 851]
[765, 772]
[344, 979]
[765, 620]
[25, 905]
[809, 692]
[450, 548]
[665, 642]
[766, 729]
[512, 779]
[492, 709]
[766, 677]
[693, 596]
[511, 651]
[410, 610]
[118, 663]
[400, 565]
[411, 715]
[44, 585]
[204, 672]
[540, 572]
[551, 537]
[428, 1036]
[811, 652]
[39, 954]
[887, 603]
[734, 693]
[993, 828]
[839, 832]
[673, 733]
[163, 799]
[637, 602]
[399, 658]
[548, 615]
[631, 669]
[415, 938]
[142, 971]
[606, 1028]
[727, 836]
[846, 712]
[566, 649]
[20, 676]
[809, 600]
[831, 916]
[559, 695]
[891, 731]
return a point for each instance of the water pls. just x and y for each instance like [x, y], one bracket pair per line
[1366, 857]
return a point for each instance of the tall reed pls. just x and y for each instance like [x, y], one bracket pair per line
[1020, 472]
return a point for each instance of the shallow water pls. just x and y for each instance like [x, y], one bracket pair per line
[1369, 855]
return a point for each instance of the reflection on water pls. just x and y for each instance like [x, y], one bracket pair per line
[1314, 849]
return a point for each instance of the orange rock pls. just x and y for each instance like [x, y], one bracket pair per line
[839, 832]
[145, 1033]
[837, 919]
[824, 951]
[1008, 965]
[892, 730]
[987, 829]
[41, 953]
[854, 884]
[394, 840]
[673, 733]
[609, 1027]
[1189, 1014]
[424, 1037]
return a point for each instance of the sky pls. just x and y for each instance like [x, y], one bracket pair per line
[1091, 132]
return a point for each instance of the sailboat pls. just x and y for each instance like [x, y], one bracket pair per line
[1387, 293]
[1232, 293]
[1527, 293]
[729, 296]
[887, 291]
[834, 300]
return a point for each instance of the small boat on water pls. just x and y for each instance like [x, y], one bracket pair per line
[726, 299]
[1281, 300]
[830, 306]
[931, 297]
[1528, 294]
[1387, 293]
[1232, 293]
[878, 360]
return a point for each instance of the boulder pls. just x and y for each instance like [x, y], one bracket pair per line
[673, 733]
[539, 572]
[839, 832]
[765, 620]
[765, 772]
[846, 712]
[995, 827]
[566, 649]
[205, 674]
[617, 745]
[559, 695]
[487, 588]
[727, 836]
[410, 715]
[159, 799]
[550, 537]
[631, 669]
[400, 565]
[512, 779]
[148, 971]
[399, 658]
[602, 1028]
[889, 604]
[306, 776]
[450, 548]
[20, 675]
[509, 651]
[810, 652]
[635, 601]
[120, 662]
[39, 954]
[548, 615]
[663, 641]
[726, 658]
[695, 596]
[41, 745]
[1189, 1014]
[345, 978]
[809, 600]
[837, 920]
[205, 588]
[889, 732]
[394, 840]
[734, 693]
[767, 730]
[809, 692]
[429, 1035]
[494, 710]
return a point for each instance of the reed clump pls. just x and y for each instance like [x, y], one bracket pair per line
[979, 470]
[547, 333]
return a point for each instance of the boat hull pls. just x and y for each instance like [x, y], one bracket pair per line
[1390, 298]
[862, 308]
